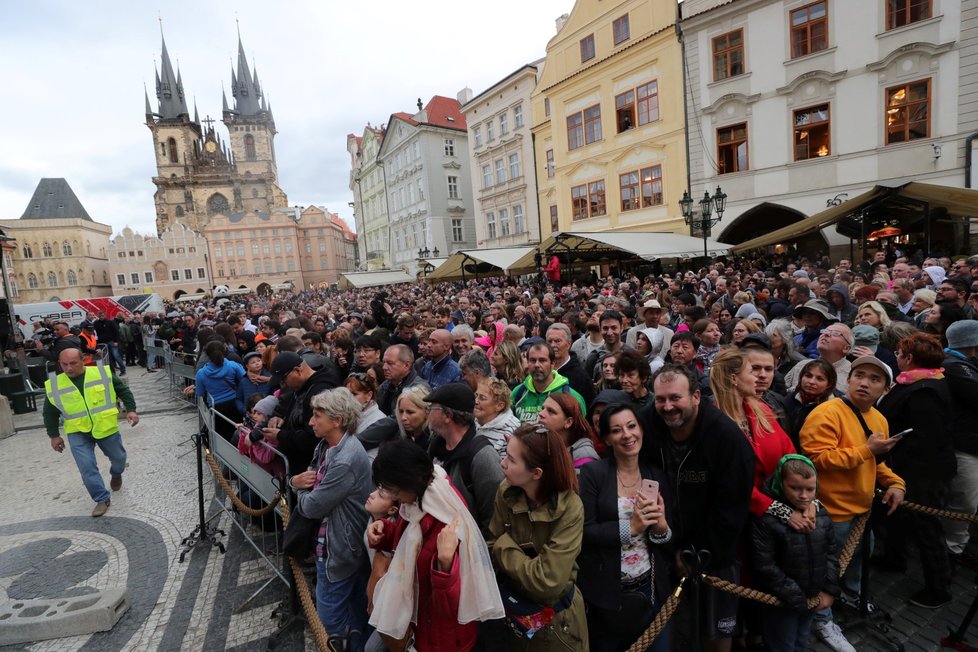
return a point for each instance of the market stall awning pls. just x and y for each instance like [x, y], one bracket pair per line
[484, 262]
[908, 203]
[190, 297]
[373, 279]
[592, 247]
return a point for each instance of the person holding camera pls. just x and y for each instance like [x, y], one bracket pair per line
[50, 345]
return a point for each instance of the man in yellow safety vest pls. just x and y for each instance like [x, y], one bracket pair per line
[85, 398]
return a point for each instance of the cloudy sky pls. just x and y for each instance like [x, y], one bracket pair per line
[74, 75]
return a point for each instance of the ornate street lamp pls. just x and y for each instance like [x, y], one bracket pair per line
[705, 220]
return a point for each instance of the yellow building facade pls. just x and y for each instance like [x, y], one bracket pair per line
[608, 124]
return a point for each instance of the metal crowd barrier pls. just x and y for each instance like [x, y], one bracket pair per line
[267, 487]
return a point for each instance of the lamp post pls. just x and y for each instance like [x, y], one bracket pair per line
[706, 219]
[15, 328]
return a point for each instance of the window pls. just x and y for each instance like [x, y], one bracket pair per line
[648, 102]
[265, 249]
[120, 279]
[491, 225]
[490, 131]
[254, 249]
[308, 247]
[486, 176]
[147, 276]
[518, 116]
[652, 186]
[241, 251]
[217, 204]
[625, 111]
[420, 191]
[641, 188]
[174, 274]
[518, 225]
[812, 133]
[550, 163]
[171, 145]
[905, 12]
[66, 248]
[449, 147]
[31, 281]
[908, 112]
[249, 144]
[575, 131]
[458, 235]
[809, 29]
[587, 48]
[278, 248]
[188, 274]
[178, 211]
[288, 247]
[453, 187]
[620, 29]
[732, 149]
[554, 224]
[728, 55]
[72, 278]
[504, 221]
[500, 171]
[546, 106]
[514, 166]
[46, 250]
[503, 124]
[52, 280]
[477, 134]
[592, 124]
[322, 246]
[201, 273]
[588, 200]
[28, 252]
[134, 277]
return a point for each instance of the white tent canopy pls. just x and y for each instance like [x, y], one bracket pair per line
[487, 262]
[650, 246]
[373, 279]
[190, 297]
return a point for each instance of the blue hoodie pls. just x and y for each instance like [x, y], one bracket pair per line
[219, 384]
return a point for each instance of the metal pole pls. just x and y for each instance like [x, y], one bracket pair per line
[15, 329]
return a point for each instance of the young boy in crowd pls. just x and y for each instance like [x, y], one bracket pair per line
[792, 565]
[379, 506]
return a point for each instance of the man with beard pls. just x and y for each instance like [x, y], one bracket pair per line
[709, 466]
[541, 381]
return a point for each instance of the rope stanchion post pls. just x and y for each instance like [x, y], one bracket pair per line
[660, 621]
[204, 533]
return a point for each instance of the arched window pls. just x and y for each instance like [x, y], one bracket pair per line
[72, 278]
[172, 146]
[28, 252]
[217, 205]
[52, 280]
[46, 250]
[66, 248]
[179, 211]
[31, 281]
[249, 143]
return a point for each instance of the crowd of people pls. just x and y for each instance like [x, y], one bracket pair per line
[518, 464]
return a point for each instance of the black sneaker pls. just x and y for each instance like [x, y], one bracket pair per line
[851, 601]
[930, 598]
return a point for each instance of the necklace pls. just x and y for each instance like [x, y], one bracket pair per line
[627, 486]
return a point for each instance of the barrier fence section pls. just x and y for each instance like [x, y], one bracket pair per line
[264, 532]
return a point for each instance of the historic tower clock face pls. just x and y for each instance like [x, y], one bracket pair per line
[210, 146]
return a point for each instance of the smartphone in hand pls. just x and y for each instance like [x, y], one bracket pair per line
[650, 489]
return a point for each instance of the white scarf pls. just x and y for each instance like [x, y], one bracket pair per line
[396, 594]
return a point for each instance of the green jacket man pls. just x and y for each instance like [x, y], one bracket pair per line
[541, 381]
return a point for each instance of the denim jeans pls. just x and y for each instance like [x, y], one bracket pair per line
[83, 450]
[851, 580]
[963, 498]
[786, 630]
[343, 604]
[115, 358]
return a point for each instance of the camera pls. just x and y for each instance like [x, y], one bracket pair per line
[45, 336]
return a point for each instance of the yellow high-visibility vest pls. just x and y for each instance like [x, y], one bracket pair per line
[93, 412]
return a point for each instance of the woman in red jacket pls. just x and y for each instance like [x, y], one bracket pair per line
[447, 568]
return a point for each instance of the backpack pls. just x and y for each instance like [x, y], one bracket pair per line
[465, 464]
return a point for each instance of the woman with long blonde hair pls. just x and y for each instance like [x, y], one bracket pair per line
[508, 363]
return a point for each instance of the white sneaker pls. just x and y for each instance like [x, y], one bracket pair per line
[830, 634]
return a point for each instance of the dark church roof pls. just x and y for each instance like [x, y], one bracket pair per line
[54, 198]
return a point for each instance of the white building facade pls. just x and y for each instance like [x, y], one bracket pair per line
[372, 192]
[425, 161]
[501, 161]
[793, 104]
[173, 264]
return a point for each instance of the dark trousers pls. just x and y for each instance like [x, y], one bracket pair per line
[924, 530]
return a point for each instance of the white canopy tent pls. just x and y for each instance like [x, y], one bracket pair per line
[649, 246]
[373, 279]
[484, 262]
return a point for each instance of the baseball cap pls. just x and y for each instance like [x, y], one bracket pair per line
[457, 396]
[284, 362]
[876, 362]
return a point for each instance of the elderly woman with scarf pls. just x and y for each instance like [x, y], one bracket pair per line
[440, 583]
[924, 458]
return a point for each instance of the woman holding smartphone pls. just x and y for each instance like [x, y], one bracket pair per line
[624, 560]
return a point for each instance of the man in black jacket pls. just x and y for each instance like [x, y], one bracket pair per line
[961, 370]
[63, 339]
[108, 333]
[710, 470]
[293, 433]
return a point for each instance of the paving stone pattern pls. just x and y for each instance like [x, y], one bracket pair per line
[50, 546]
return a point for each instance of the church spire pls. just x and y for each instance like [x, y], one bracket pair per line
[169, 89]
[244, 86]
[149, 109]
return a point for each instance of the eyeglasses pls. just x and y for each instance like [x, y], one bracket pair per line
[432, 407]
[359, 375]
[837, 334]
[543, 430]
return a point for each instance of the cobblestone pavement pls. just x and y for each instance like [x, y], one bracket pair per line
[50, 546]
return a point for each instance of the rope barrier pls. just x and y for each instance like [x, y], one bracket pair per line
[250, 511]
[319, 632]
[940, 513]
[660, 621]
[852, 543]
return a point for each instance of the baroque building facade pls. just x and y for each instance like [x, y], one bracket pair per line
[173, 264]
[61, 251]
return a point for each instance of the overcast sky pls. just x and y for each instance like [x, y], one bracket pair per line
[74, 75]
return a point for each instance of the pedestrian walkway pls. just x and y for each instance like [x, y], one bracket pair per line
[51, 547]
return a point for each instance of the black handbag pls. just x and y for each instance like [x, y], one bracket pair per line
[299, 539]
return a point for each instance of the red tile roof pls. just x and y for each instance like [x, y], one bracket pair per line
[445, 112]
